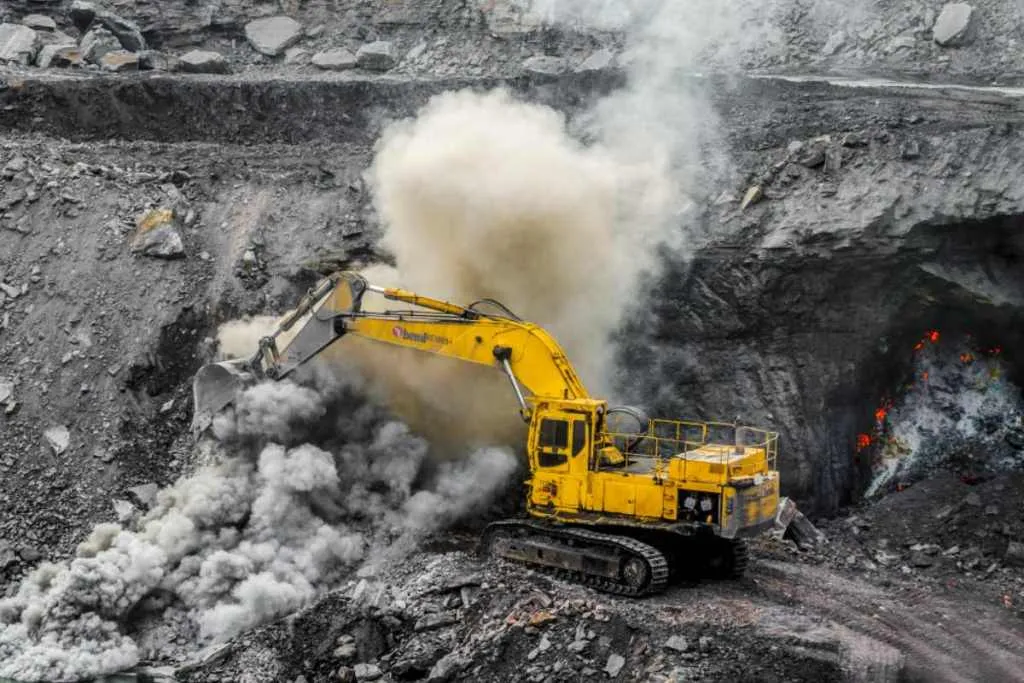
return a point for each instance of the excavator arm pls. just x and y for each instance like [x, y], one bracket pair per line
[530, 357]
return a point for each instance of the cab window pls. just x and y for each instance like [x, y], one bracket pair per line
[554, 433]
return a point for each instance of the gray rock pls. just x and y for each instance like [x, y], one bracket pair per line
[157, 235]
[973, 499]
[614, 665]
[920, 559]
[296, 55]
[600, 60]
[431, 621]
[55, 38]
[127, 32]
[39, 22]
[346, 675]
[677, 643]
[81, 14]
[98, 42]
[62, 56]
[58, 437]
[335, 59]
[119, 61]
[1014, 553]
[367, 672]
[447, 667]
[955, 25]
[376, 56]
[6, 390]
[544, 65]
[835, 42]
[154, 60]
[203, 62]
[18, 44]
[144, 494]
[273, 35]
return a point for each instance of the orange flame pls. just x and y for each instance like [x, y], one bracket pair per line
[863, 441]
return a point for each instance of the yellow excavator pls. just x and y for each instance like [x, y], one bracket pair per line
[622, 510]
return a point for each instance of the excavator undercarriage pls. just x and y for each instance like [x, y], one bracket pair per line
[610, 560]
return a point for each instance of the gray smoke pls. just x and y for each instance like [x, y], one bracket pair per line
[285, 510]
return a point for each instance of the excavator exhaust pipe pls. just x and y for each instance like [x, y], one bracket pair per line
[214, 388]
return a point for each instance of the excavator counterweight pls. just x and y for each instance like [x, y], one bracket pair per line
[620, 508]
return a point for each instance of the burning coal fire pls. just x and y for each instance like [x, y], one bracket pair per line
[957, 411]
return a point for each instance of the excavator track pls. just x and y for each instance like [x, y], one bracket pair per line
[606, 562]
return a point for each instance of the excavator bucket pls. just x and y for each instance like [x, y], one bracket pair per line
[214, 388]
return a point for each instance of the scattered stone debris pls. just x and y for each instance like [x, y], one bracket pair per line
[204, 62]
[376, 56]
[955, 25]
[271, 36]
[335, 59]
[18, 44]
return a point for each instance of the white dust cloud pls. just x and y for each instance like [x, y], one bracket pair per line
[278, 519]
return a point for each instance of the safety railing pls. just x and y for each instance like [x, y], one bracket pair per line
[667, 439]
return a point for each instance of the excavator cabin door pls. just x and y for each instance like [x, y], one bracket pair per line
[561, 447]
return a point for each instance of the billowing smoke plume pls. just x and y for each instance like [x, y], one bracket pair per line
[309, 486]
[961, 413]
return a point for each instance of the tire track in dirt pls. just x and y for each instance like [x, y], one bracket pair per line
[988, 647]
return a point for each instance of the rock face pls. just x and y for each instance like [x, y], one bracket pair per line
[337, 59]
[204, 62]
[955, 25]
[376, 56]
[273, 35]
[18, 44]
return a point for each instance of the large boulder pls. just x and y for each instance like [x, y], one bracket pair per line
[955, 25]
[18, 44]
[377, 56]
[273, 35]
[203, 62]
